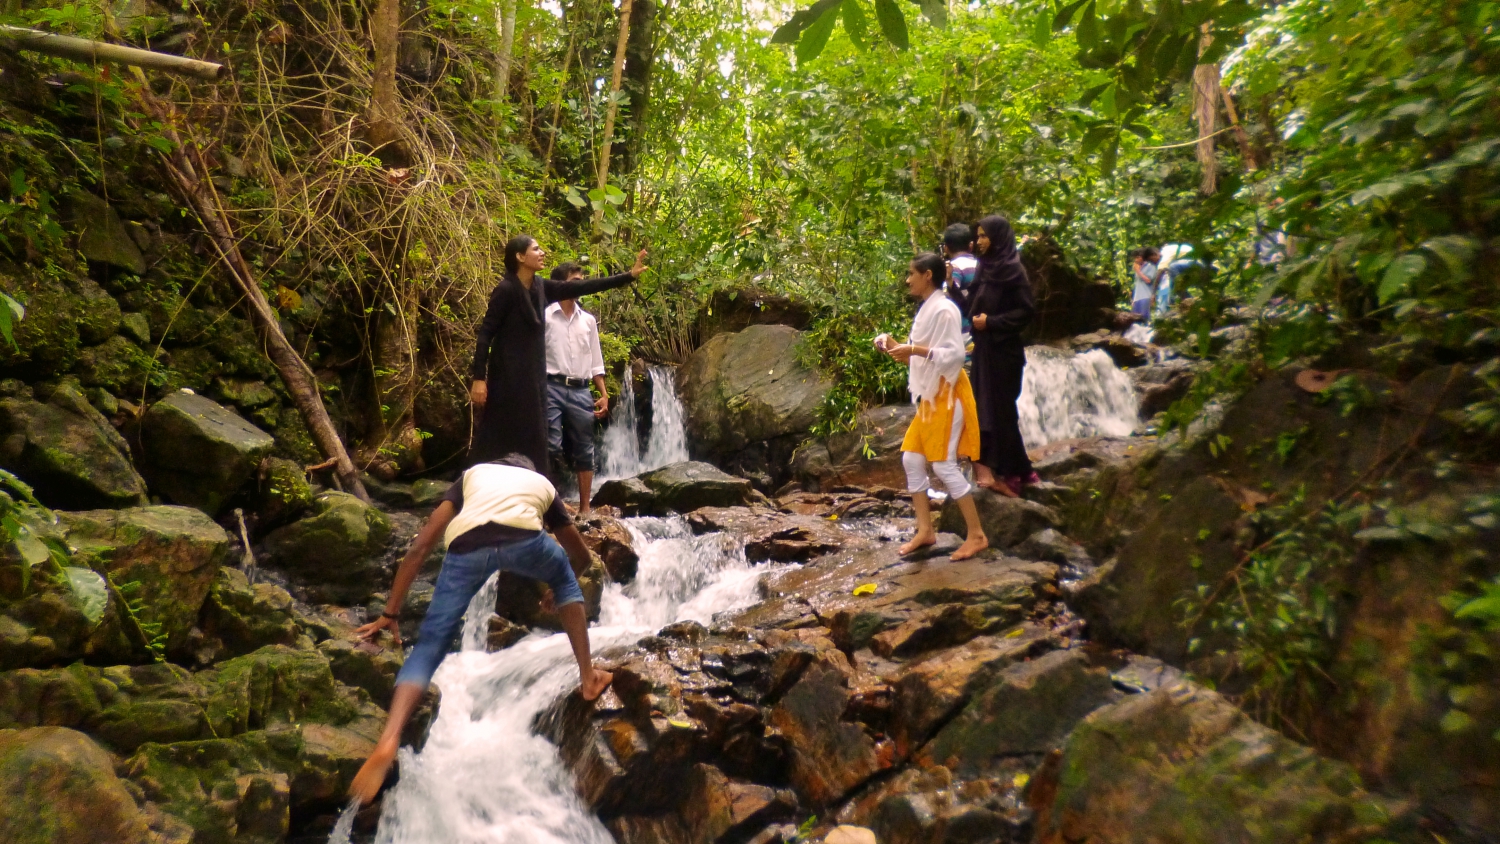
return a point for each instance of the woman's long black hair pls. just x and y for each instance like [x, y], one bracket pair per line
[513, 250]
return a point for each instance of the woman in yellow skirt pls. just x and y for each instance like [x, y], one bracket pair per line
[946, 426]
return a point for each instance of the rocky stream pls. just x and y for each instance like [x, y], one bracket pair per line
[781, 674]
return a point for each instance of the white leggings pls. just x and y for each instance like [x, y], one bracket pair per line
[947, 471]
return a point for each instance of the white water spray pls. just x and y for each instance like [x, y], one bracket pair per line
[621, 449]
[1064, 396]
[484, 777]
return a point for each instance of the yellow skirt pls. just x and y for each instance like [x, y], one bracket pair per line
[931, 431]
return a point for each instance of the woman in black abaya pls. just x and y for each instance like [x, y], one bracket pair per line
[1001, 305]
[510, 363]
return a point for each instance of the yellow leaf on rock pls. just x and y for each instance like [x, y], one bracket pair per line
[864, 589]
[1015, 633]
[1021, 780]
[681, 723]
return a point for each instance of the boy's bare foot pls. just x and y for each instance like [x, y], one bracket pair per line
[371, 775]
[1001, 488]
[594, 685]
[972, 547]
[917, 543]
[584, 512]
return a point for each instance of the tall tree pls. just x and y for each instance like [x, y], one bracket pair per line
[612, 110]
[1206, 88]
[383, 117]
[505, 28]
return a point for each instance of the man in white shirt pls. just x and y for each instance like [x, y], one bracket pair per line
[573, 360]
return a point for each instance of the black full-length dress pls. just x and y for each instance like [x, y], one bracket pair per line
[511, 358]
[1002, 292]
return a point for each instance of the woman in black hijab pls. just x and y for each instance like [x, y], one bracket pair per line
[510, 363]
[1000, 307]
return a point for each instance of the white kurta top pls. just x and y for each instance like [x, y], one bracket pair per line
[939, 327]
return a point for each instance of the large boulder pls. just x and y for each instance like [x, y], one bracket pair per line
[867, 455]
[679, 487]
[337, 552]
[198, 453]
[68, 452]
[1184, 764]
[171, 553]
[729, 311]
[58, 787]
[102, 235]
[1068, 300]
[749, 389]
[1007, 521]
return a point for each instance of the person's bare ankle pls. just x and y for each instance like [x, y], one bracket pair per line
[972, 547]
[593, 685]
[372, 774]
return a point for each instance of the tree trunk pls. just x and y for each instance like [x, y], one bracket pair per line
[384, 116]
[640, 59]
[614, 102]
[505, 28]
[1247, 152]
[554, 127]
[1206, 89]
[188, 176]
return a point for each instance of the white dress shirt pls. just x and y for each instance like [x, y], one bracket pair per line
[573, 343]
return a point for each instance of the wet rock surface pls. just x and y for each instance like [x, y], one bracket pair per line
[677, 488]
[197, 453]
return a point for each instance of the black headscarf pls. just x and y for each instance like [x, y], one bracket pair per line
[1001, 263]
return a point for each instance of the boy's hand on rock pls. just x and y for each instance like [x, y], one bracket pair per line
[370, 632]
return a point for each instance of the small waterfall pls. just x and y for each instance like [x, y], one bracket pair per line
[1066, 395]
[623, 456]
[484, 777]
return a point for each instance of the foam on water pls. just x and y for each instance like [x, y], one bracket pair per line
[1066, 395]
[483, 776]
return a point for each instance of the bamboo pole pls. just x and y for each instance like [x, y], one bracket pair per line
[84, 50]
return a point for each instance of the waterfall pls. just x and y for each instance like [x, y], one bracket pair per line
[484, 777]
[621, 449]
[1066, 395]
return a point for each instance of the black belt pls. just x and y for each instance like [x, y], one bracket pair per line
[566, 381]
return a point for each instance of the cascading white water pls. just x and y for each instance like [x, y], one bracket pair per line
[621, 448]
[483, 777]
[1066, 395]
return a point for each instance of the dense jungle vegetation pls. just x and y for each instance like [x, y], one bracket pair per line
[372, 158]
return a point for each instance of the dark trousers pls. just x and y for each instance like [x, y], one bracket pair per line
[1000, 446]
[570, 426]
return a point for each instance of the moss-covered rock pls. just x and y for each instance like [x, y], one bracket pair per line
[338, 550]
[98, 312]
[47, 340]
[274, 685]
[58, 787]
[364, 666]
[282, 492]
[198, 453]
[173, 553]
[68, 452]
[1184, 764]
[244, 617]
[119, 366]
[102, 235]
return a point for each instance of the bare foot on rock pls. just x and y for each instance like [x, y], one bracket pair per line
[917, 543]
[595, 684]
[372, 774]
[972, 547]
[1000, 487]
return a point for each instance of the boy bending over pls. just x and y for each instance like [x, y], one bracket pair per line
[493, 520]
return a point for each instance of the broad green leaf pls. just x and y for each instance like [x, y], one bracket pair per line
[1139, 129]
[1107, 103]
[1041, 31]
[1400, 274]
[90, 590]
[1455, 251]
[1088, 27]
[856, 24]
[1432, 123]
[815, 38]
[1064, 15]
[1096, 136]
[936, 12]
[11, 312]
[17, 182]
[789, 32]
[892, 23]
[1381, 533]
[1107, 160]
[1092, 94]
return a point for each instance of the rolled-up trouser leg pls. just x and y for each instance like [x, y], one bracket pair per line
[915, 465]
[952, 477]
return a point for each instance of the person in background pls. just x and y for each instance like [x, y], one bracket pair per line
[1144, 270]
[510, 355]
[492, 520]
[946, 426]
[1174, 261]
[1000, 307]
[958, 249]
[574, 359]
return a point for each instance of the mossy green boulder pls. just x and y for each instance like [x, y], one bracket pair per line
[68, 452]
[172, 552]
[198, 453]
[58, 787]
[240, 617]
[338, 551]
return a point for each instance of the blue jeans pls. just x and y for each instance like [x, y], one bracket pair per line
[539, 558]
[570, 422]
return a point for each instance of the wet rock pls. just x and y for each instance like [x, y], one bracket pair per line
[1124, 353]
[1157, 386]
[58, 787]
[769, 535]
[173, 553]
[336, 551]
[1055, 547]
[503, 633]
[680, 487]
[608, 537]
[68, 452]
[1183, 764]
[846, 834]
[243, 618]
[428, 492]
[729, 311]
[197, 453]
[363, 665]
[1007, 521]
[869, 455]
[102, 236]
[1029, 709]
[519, 599]
[829, 756]
[282, 492]
[748, 387]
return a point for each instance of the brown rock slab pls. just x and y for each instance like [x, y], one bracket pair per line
[58, 787]
[771, 535]
[829, 755]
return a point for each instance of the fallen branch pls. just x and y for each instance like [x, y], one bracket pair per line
[84, 50]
